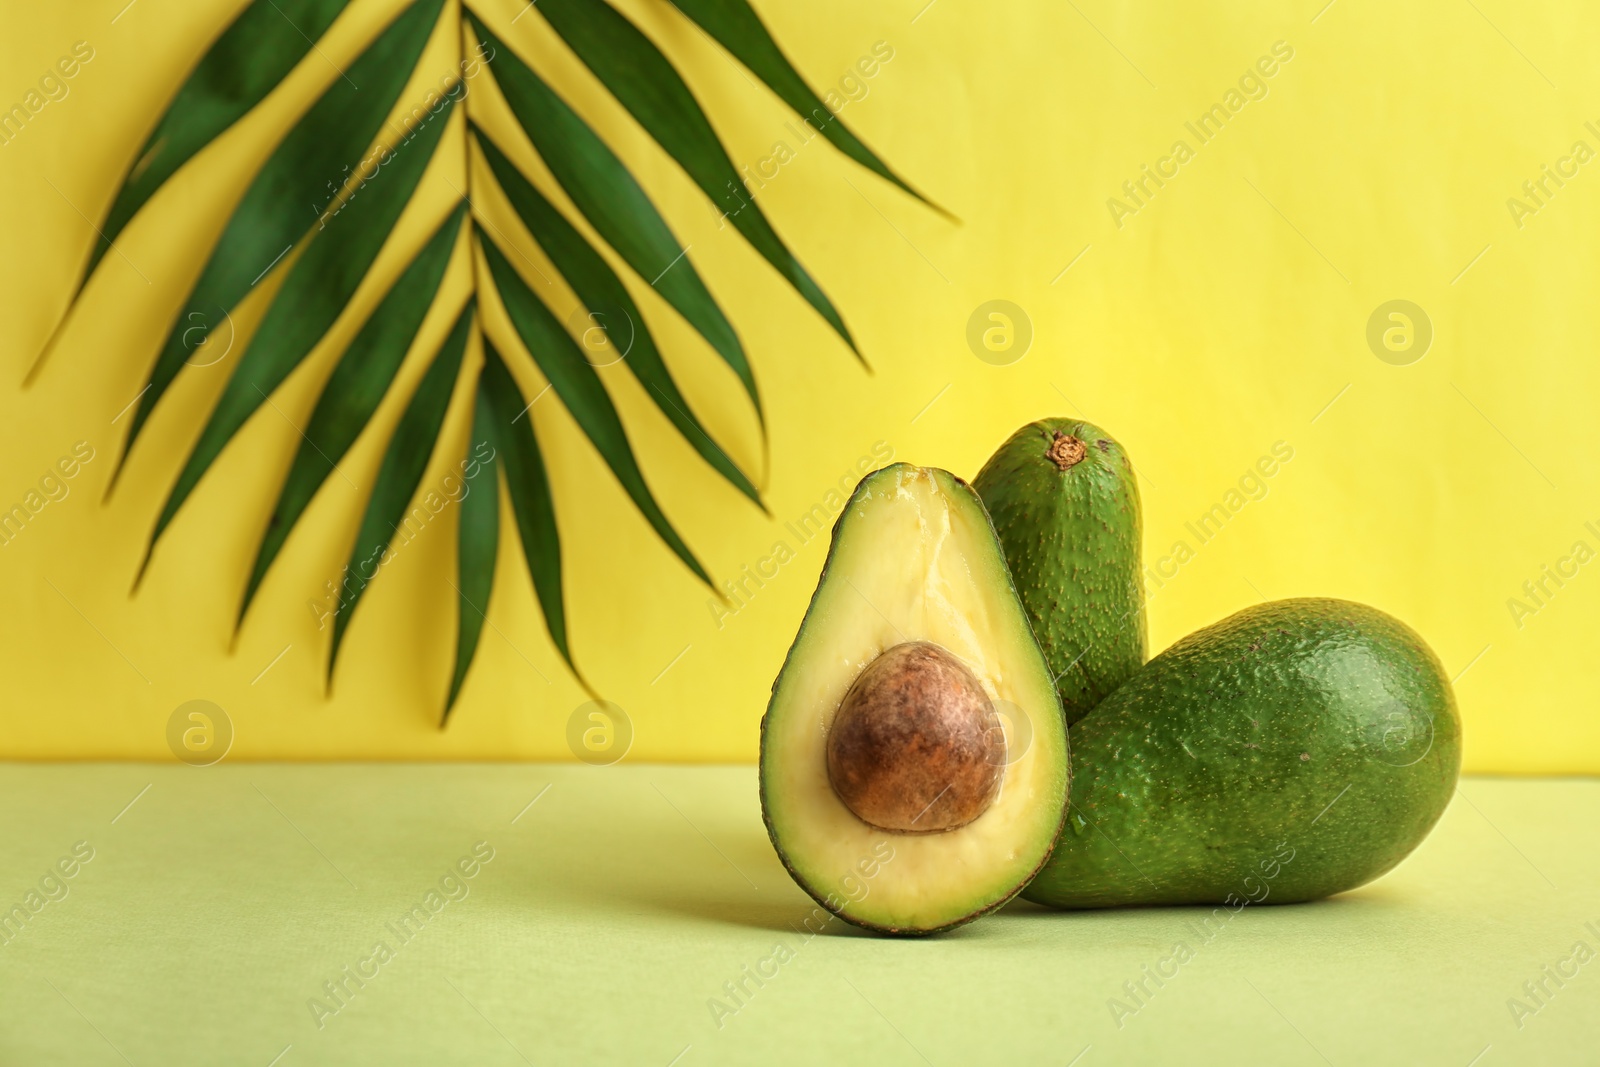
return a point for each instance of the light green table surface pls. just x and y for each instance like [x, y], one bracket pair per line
[614, 909]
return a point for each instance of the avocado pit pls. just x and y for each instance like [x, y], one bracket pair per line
[916, 746]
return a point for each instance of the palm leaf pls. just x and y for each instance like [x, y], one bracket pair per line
[735, 26]
[324, 159]
[257, 50]
[327, 143]
[399, 476]
[354, 390]
[601, 291]
[615, 205]
[529, 488]
[313, 296]
[578, 386]
[478, 542]
[645, 82]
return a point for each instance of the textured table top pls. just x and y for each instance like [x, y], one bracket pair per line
[281, 914]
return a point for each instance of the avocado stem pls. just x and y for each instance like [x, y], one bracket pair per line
[1065, 451]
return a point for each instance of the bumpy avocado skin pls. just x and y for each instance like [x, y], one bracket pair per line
[1297, 749]
[1071, 538]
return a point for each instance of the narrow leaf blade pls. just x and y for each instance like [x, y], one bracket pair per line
[312, 297]
[282, 204]
[578, 386]
[256, 52]
[601, 291]
[645, 82]
[529, 488]
[735, 25]
[478, 543]
[354, 391]
[398, 477]
[614, 203]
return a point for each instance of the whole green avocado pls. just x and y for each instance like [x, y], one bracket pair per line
[1294, 750]
[1062, 496]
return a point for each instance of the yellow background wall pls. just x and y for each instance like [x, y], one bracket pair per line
[1229, 313]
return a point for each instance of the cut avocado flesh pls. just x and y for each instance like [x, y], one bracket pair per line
[914, 757]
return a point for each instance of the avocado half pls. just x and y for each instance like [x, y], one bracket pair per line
[914, 760]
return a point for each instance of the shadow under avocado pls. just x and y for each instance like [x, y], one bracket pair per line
[1372, 898]
[777, 905]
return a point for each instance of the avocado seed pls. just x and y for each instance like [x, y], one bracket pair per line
[916, 746]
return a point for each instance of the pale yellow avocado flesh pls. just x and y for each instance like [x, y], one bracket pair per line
[914, 558]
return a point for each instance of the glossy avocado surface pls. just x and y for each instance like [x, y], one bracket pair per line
[1062, 495]
[1294, 750]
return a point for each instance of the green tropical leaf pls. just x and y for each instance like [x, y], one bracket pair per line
[312, 297]
[354, 390]
[603, 293]
[327, 162]
[613, 202]
[398, 477]
[735, 25]
[577, 384]
[529, 488]
[279, 208]
[478, 542]
[257, 50]
[645, 82]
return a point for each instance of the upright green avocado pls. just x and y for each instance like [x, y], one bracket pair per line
[1291, 751]
[1063, 499]
[914, 756]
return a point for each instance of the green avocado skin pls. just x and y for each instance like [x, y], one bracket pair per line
[1071, 538]
[1294, 750]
